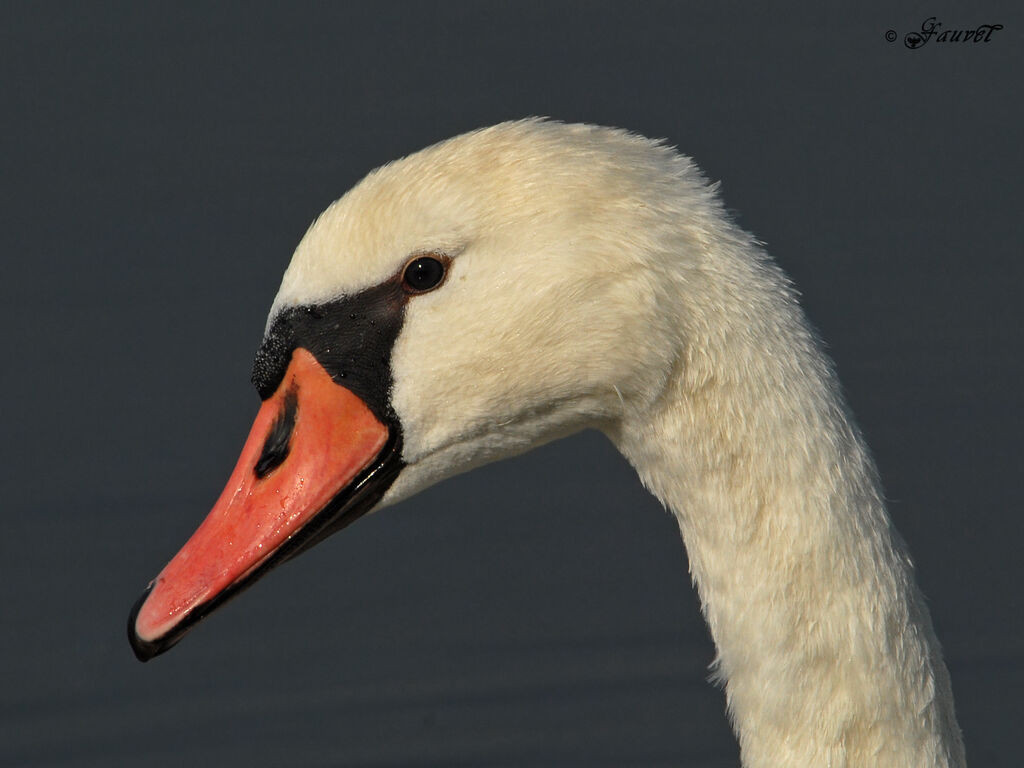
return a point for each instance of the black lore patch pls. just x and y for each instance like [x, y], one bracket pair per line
[350, 337]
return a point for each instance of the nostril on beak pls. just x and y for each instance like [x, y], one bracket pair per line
[275, 449]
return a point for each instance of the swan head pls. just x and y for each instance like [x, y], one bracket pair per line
[466, 303]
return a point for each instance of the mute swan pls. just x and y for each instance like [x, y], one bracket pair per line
[513, 285]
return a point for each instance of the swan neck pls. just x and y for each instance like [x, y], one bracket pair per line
[824, 644]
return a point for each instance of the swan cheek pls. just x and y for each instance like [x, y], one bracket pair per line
[312, 441]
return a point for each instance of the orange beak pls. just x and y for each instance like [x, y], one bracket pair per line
[316, 459]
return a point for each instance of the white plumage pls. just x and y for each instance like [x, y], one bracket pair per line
[597, 282]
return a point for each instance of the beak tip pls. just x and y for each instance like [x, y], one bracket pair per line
[144, 649]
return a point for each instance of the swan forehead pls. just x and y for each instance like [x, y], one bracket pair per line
[526, 180]
[365, 237]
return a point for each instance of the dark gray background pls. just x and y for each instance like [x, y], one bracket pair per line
[160, 164]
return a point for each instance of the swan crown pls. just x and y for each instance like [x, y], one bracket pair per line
[534, 183]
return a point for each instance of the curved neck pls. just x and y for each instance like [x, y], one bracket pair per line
[824, 643]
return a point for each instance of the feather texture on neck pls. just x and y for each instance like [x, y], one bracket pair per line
[824, 642]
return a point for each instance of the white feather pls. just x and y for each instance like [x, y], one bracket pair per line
[596, 281]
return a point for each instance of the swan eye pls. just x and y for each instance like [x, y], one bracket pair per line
[423, 273]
